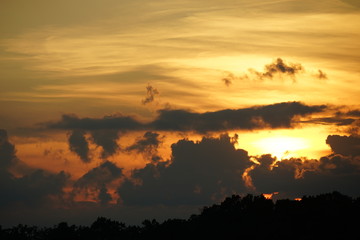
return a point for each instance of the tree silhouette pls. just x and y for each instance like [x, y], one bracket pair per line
[326, 216]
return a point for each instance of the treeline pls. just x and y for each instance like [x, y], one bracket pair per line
[326, 216]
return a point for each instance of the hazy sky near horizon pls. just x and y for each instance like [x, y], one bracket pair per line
[134, 109]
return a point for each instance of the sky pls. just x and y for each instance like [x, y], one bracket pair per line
[153, 109]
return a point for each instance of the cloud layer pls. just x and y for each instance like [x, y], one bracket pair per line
[279, 115]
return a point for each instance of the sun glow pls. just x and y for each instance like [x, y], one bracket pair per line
[282, 146]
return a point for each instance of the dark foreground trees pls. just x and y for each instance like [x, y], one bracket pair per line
[326, 216]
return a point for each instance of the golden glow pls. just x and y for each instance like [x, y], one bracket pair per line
[286, 143]
[269, 195]
[282, 146]
[247, 178]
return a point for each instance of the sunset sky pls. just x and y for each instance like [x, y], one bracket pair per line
[152, 109]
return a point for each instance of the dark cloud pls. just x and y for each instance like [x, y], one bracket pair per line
[34, 188]
[279, 67]
[151, 92]
[7, 151]
[107, 139]
[31, 189]
[104, 197]
[279, 115]
[298, 177]
[147, 145]
[353, 113]
[338, 118]
[94, 182]
[99, 176]
[275, 70]
[321, 75]
[354, 129]
[229, 78]
[344, 145]
[119, 122]
[79, 145]
[335, 120]
[199, 172]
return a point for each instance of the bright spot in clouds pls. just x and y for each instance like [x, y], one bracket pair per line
[282, 146]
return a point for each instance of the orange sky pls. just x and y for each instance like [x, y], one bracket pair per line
[96, 60]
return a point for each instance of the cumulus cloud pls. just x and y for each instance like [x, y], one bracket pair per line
[147, 145]
[151, 92]
[279, 115]
[107, 139]
[33, 188]
[104, 197]
[93, 184]
[7, 151]
[79, 145]
[298, 177]
[344, 145]
[196, 164]
[198, 173]
[99, 176]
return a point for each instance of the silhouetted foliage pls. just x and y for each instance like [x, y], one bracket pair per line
[326, 216]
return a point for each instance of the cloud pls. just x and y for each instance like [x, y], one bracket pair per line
[339, 118]
[147, 145]
[7, 151]
[104, 197]
[99, 176]
[279, 115]
[354, 129]
[33, 188]
[79, 145]
[353, 113]
[229, 78]
[151, 92]
[198, 173]
[321, 75]
[297, 177]
[344, 145]
[277, 68]
[93, 184]
[334, 120]
[107, 139]
[119, 122]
